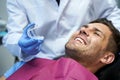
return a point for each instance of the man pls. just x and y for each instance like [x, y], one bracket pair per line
[91, 48]
[56, 21]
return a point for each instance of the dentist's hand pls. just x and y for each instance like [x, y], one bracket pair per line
[28, 45]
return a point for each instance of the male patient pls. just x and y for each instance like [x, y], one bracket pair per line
[91, 48]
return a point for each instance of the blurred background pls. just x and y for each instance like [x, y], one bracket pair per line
[6, 59]
[118, 2]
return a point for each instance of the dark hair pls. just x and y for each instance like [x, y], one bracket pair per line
[106, 72]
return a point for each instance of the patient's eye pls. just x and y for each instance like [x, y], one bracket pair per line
[99, 34]
[96, 33]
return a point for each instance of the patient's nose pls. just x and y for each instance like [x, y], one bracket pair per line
[84, 31]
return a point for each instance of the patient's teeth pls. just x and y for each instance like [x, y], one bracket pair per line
[79, 39]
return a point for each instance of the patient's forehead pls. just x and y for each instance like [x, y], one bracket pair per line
[102, 27]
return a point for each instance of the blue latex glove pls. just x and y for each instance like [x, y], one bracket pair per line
[28, 45]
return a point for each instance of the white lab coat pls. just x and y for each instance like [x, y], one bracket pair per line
[56, 23]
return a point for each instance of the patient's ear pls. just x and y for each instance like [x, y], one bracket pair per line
[107, 58]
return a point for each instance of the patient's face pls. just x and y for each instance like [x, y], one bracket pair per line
[89, 43]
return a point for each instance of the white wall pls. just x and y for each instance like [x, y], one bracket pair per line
[118, 2]
[6, 59]
[3, 11]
